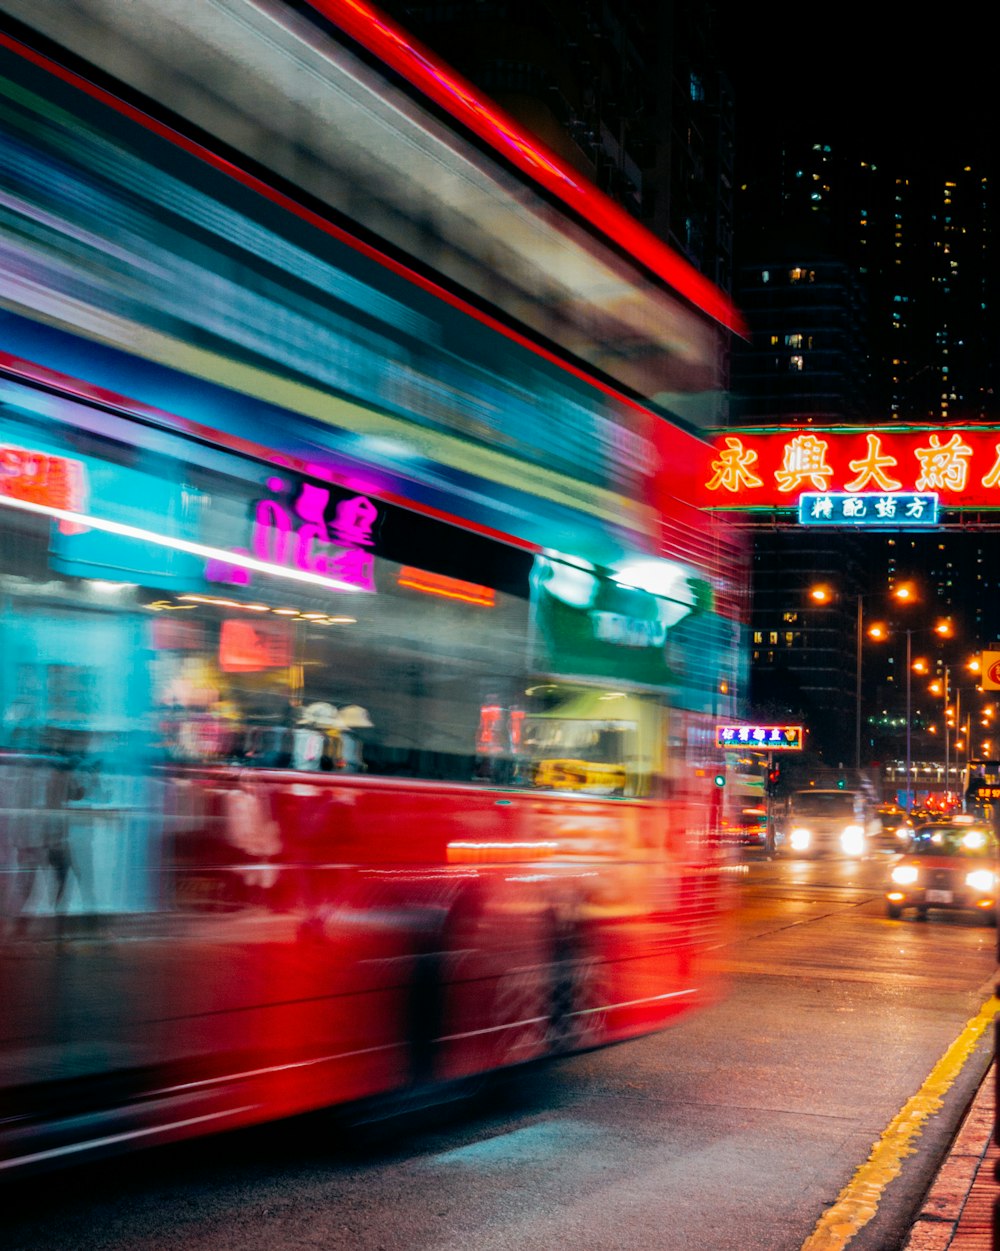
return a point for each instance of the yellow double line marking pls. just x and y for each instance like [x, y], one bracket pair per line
[858, 1202]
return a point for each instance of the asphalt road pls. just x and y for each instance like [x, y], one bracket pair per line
[736, 1129]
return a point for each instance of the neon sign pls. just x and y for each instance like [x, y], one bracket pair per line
[303, 539]
[769, 737]
[773, 468]
[868, 509]
[448, 588]
[44, 479]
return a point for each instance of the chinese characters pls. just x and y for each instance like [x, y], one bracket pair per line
[771, 737]
[761, 468]
[302, 538]
[837, 508]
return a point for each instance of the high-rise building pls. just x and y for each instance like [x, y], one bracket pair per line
[912, 345]
[805, 360]
[631, 93]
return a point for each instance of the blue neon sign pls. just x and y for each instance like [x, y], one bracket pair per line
[896, 509]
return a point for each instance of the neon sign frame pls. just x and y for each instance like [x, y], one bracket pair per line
[769, 469]
[868, 509]
[766, 737]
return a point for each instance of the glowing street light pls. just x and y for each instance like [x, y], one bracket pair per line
[823, 594]
[879, 631]
[906, 593]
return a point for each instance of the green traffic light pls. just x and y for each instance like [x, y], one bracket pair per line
[720, 779]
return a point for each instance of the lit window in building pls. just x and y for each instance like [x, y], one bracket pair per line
[795, 362]
[772, 636]
[793, 340]
[758, 636]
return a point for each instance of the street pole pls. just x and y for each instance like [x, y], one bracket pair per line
[909, 792]
[947, 741]
[857, 693]
[958, 729]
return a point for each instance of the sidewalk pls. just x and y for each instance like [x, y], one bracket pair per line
[957, 1212]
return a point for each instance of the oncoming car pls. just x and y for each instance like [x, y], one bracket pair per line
[827, 822]
[950, 865]
[895, 828]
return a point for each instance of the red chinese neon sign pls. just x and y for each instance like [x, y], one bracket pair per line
[752, 468]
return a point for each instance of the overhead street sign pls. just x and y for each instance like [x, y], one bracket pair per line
[771, 468]
[769, 737]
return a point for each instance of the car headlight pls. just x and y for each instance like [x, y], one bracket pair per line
[853, 840]
[800, 838]
[904, 874]
[981, 880]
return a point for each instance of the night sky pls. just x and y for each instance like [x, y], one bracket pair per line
[900, 80]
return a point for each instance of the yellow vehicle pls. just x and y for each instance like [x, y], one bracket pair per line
[581, 775]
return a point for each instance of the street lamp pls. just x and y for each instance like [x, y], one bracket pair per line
[909, 720]
[939, 688]
[906, 594]
[823, 594]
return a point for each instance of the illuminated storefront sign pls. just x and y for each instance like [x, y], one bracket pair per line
[773, 468]
[299, 535]
[989, 677]
[43, 478]
[448, 588]
[769, 737]
[836, 508]
[589, 623]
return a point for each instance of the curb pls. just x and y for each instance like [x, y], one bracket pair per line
[957, 1211]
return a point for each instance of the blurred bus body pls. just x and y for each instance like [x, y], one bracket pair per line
[359, 655]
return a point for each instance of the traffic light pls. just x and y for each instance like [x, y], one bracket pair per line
[773, 779]
[841, 783]
[719, 779]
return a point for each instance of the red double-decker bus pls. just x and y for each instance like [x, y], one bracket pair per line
[360, 649]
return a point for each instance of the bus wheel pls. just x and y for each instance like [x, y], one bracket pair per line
[521, 1016]
[578, 1007]
[893, 911]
